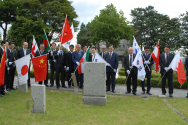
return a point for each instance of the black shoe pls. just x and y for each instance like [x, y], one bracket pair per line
[134, 93]
[149, 93]
[170, 95]
[51, 85]
[186, 96]
[127, 92]
[72, 84]
[163, 93]
[143, 92]
[69, 86]
[57, 87]
[8, 89]
[13, 89]
[81, 87]
[5, 93]
[113, 91]
[64, 87]
[107, 90]
[47, 85]
[1, 95]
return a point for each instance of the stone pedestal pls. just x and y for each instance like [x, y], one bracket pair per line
[23, 88]
[94, 83]
[38, 93]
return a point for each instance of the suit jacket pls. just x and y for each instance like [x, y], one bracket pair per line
[20, 53]
[113, 61]
[1, 53]
[163, 64]
[52, 58]
[11, 56]
[186, 65]
[70, 63]
[61, 59]
[90, 58]
[126, 65]
[149, 65]
[76, 58]
[101, 54]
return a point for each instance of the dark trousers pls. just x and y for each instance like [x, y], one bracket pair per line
[79, 79]
[148, 76]
[112, 75]
[52, 70]
[28, 81]
[168, 75]
[9, 80]
[45, 81]
[69, 77]
[60, 69]
[134, 82]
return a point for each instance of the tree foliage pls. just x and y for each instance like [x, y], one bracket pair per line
[150, 26]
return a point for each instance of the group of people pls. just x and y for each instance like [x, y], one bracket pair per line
[66, 63]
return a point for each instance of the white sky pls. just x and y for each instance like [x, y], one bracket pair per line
[88, 9]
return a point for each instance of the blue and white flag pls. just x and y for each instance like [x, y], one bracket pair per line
[138, 62]
[136, 48]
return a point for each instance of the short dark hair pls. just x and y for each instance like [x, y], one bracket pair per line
[3, 42]
[146, 47]
[85, 45]
[167, 46]
[11, 43]
[93, 48]
[54, 43]
[42, 44]
[71, 46]
[111, 45]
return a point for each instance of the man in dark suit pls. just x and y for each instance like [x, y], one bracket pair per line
[164, 61]
[70, 65]
[76, 57]
[53, 63]
[186, 67]
[112, 59]
[130, 71]
[11, 67]
[42, 52]
[103, 51]
[21, 53]
[92, 56]
[61, 64]
[148, 62]
[2, 88]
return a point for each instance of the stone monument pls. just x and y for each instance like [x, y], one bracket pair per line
[94, 83]
[38, 94]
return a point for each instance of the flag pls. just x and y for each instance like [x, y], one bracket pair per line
[34, 47]
[2, 69]
[40, 67]
[45, 42]
[155, 56]
[67, 44]
[136, 48]
[177, 66]
[138, 62]
[22, 67]
[66, 33]
[98, 58]
[84, 59]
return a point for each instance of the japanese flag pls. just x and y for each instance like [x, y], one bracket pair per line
[22, 66]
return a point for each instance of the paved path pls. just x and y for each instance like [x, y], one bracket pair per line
[121, 89]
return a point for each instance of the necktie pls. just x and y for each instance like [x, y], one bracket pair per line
[130, 61]
[110, 55]
[166, 58]
[79, 54]
[103, 55]
[146, 56]
[24, 52]
[41, 52]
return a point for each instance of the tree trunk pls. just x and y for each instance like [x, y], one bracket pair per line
[5, 32]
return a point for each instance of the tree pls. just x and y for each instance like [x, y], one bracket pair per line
[8, 13]
[83, 36]
[184, 30]
[110, 27]
[149, 26]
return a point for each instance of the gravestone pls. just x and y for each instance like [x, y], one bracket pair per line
[75, 83]
[94, 83]
[38, 94]
[23, 87]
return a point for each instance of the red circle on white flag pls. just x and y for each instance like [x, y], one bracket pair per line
[24, 70]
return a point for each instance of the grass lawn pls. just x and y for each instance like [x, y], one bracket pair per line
[66, 108]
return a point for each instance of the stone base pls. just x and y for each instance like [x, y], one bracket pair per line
[161, 96]
[23, 88]
[38, 93]
[94, 100]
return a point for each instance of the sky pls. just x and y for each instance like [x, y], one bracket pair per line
[88, 9]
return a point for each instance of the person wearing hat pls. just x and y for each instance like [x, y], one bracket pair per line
[148, 61]
[166, 72]
[103, 49]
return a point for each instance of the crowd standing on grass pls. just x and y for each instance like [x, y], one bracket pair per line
[66, 63]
